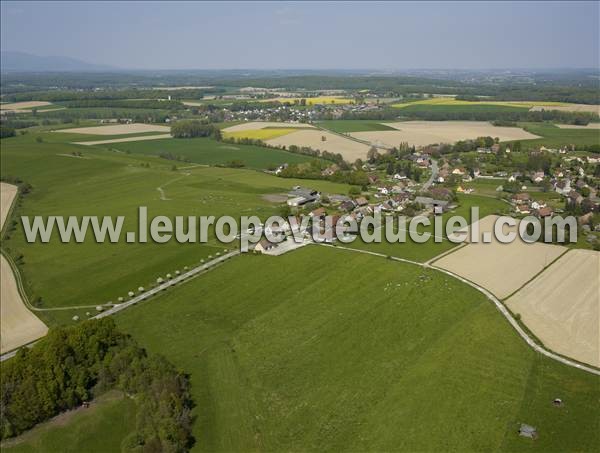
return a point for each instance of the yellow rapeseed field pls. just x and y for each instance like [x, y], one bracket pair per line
[260, 134]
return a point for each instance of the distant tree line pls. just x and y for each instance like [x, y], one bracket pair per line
[106, 94]
[125, 103]
[73, 364]
[446, 113]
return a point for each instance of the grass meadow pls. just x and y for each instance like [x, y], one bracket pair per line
[206, 151]
[345, 126]
[108, 183]
[329, 350]
[98, 429]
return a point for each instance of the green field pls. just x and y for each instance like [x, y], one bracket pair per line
[330, 350]
[98, 429]
[555, 137]
[344, 126]
[458, 109]
[211, 152]
[108, 183]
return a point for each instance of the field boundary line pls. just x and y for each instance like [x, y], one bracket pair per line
[537, 275]
[497, 302]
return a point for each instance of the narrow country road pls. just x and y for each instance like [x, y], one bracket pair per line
[434, 173]
[145, 295]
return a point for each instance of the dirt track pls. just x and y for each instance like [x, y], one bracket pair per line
[18, 326]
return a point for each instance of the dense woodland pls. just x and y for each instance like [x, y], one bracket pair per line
[72, 365]
[578, 86]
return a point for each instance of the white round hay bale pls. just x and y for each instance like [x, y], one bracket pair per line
[75, 318]
[159, 280]
[185, 268]
[169, 275]
[141, 289]
[177, 272]
[99, 308]
[120, 299]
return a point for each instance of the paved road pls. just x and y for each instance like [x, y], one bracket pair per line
[499, 305]
[434, 172]
[143, 296]
[174, 281]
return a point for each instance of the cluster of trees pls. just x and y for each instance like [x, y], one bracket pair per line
[6, 131]
[393, 161]
[73, 364]
[193, 129]
[314, 169]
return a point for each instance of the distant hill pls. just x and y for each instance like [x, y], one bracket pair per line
[24, 62]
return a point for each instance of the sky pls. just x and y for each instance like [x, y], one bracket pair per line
[308, 35]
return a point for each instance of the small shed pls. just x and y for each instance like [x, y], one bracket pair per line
[528, 431]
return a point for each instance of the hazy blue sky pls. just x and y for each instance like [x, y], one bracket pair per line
[383, 35]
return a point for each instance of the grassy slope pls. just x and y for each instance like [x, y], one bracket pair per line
[344, 126]
[329, 350]
[210, 152]
[100, 428]
[107, 183]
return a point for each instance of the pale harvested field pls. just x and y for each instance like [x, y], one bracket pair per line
[7, 195]
[125, 139]
[256, 125]
[573, 126]
[18, 326]
[24, 105]
[117, 129]
[562, 306]
[349, 149]
[569, 108]
[422, 133]
[500, 268]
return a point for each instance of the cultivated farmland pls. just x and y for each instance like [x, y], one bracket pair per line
[18, 326]
[24, 106]
[117, 129]
[124, 140]
[256, 125]
[260, 134]
[348, 148]
[562, 306]
[421, 133]
[500, 268]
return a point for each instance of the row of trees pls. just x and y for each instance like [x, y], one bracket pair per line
[73, 364]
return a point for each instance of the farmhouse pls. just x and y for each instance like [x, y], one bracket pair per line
[300, 196]
[264, 245]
